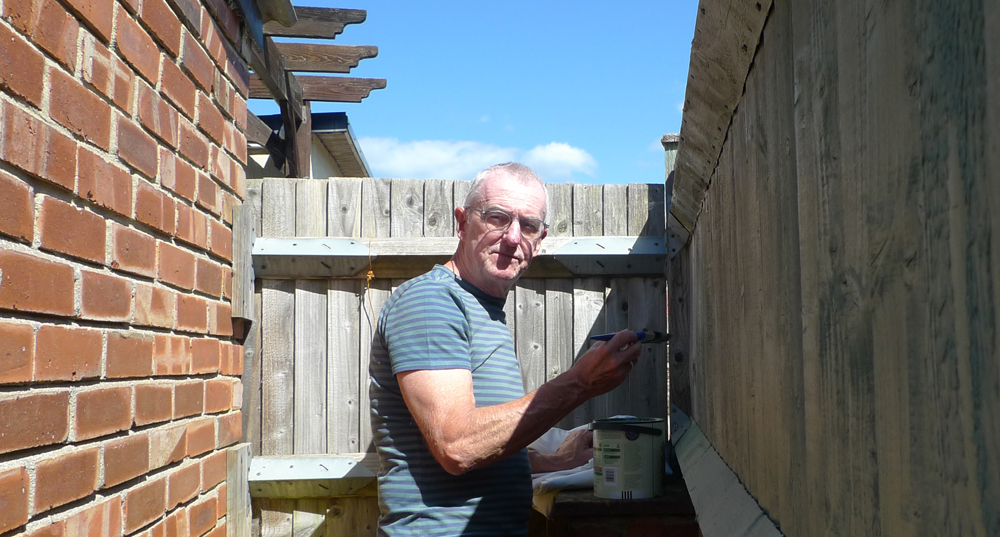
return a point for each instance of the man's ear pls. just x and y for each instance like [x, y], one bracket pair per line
[460, 219]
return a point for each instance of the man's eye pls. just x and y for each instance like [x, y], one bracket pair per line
[529, 227]
[497, 219]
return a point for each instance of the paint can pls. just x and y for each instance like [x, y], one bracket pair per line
[628, 457]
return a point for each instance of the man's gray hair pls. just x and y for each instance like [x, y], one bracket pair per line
[518, 171]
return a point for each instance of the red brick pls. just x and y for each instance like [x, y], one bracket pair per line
[192, 314]
[213, 470]
[192, 226]
[154, 306]
[167, 446]
[240, 112]
[66, 477]
[125, 458]
[220, 499]
[154, 208]
[172, 355]
[29, 283]
[107, 73]
[238, 146]
[227, 283]
[178, 87]
[210, 120]
[32, 420]
[230, 429]
[201, 436]
[56, 32]
[17, 352]
[101, 520]
[137, 47]
[22, 68]
[190, 13]
[129, 355]
[22, 14]
[13, 498]
[189, 399]
[144, 504]
[184, 484]
[205, 355]
[103, 411]
[163, 24]
[66, 353]
[153, 403]
[137, 148]
[220, 240]
[157, 115]
[105, 297]
[209, 278]
[224, 16]
[197, 63]
[208, 193]
[35, 147]
[133, 251]
[17, 208]
[219, 165]
[104, 183]
[202, 516]
[218, 395]
[67, 229]
[222, 91]
[220, 319]
[176, 266]
[79, 110]
[186, 181]
[97, 15]
[175, 525]
[193, 144]
[220, 530]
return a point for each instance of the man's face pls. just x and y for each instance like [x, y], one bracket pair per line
[494, 260]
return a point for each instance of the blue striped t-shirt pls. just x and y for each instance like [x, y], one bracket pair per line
[437, 321]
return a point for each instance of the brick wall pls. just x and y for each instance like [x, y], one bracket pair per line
[121, 159]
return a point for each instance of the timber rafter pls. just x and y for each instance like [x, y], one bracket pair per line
[274, 66]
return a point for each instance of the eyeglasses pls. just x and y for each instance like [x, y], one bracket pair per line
[499, 220]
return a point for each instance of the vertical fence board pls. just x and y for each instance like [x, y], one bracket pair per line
[646, 214]
[310, 327]
[558, 326]
[251, 346]
[616, 315]
[438, 204]
[373, 298]
[588, 320]
[648, 381]
[615, 210]
[530, 342]
[352, 517]
[462, 189]
[344, 207]
[588, 210]
[343, 427]
[375, 207]
[238, 491]
[407, 201]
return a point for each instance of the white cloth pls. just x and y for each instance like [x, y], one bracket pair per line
[581, 477]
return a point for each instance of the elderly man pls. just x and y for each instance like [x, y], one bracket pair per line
[449, 415]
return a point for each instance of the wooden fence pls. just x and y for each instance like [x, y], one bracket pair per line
[307, 387]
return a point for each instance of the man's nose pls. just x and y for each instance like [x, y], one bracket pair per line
[513, 234]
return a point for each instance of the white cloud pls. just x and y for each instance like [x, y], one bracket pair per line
[462, 160]
[680, 107]
[484, 118]
[432, 159]
[559, 160]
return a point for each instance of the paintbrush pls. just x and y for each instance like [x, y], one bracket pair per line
[644, 337]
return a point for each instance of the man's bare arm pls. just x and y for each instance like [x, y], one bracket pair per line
[463, 437]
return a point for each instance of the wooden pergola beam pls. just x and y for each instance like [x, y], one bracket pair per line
[324, 58]
[257, 131]
[317, 22]
[325, 88]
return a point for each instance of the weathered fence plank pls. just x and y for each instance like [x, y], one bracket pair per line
[344, 207]
[438, 206]
[407, 202]
[310, 328]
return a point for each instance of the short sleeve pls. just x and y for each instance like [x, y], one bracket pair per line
[427, 328]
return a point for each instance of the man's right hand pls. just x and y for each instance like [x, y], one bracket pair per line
[607, 364]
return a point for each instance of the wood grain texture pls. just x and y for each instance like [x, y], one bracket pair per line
[530, 342]
[615, 219]
[407, 202]
[842, 283]
[588, 320]
[372, 299]
[438, 219]
[238, 491]
[344, 210]
[352, 517]
[375, 203]
[311, 57]
[345, 367]
[560, 216]
[317, 22]
[251, 346]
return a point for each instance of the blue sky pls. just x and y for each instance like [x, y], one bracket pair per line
[581, 91]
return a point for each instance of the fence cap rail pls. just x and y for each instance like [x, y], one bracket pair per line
[344, 257]
[308, 476]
